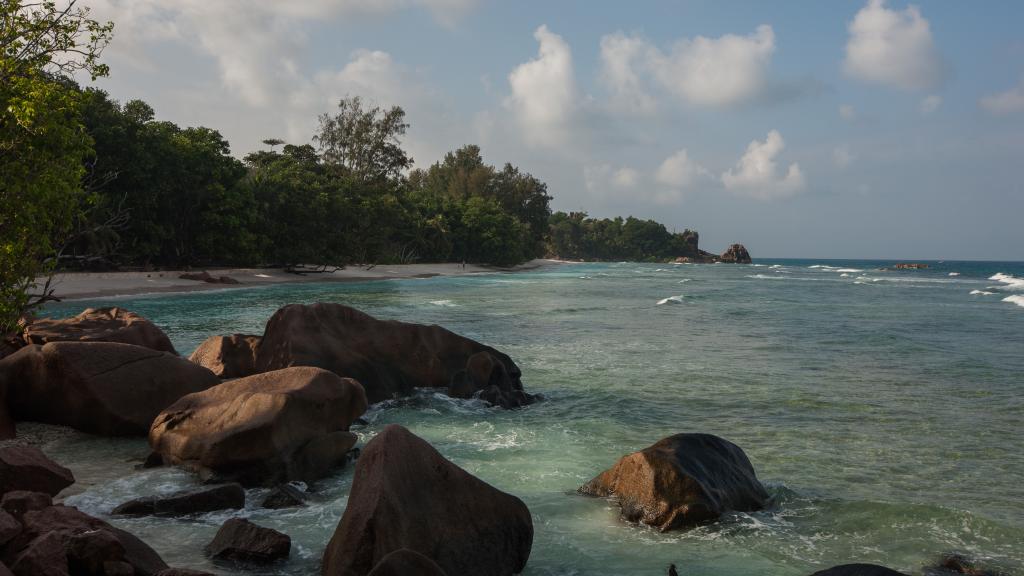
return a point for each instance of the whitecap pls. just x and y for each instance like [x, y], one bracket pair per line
[684, 280]
[981, 293]
[954, 273]
[776, 266]
[445, 303]
[1016, 299]
[1011, 282]
[847, 270]
[671, 300]
[821, 266]
[844, 275]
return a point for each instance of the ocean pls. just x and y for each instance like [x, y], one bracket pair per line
[884, 410]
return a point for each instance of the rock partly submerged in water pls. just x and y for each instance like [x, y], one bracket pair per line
[231, 356]
[405, 495]
[103, 388]
[99, 325]
[206, 499]
[389, 358]
[406, 562]
[289, 424]
[735, 254]
[858, 570]
[241, 541]
[681, 481]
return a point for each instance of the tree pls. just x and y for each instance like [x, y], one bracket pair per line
[364, 143]
[42, 142]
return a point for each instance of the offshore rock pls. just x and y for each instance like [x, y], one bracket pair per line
[27, 468]
[289, 424]
[389, 358]
[735, 254]
[98, 387]
[231, 356]
[99, 325]
[681, 481]
[405, 495]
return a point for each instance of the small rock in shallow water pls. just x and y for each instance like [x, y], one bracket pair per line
[284, 496]
[207, 499]
[239, 540]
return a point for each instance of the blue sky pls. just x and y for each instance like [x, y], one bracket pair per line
[807, 129]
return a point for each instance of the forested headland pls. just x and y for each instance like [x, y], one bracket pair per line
[91, 183]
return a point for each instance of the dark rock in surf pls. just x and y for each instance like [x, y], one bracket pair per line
[99, 325]
[207, 499]
[389, 358]
[735, 254]
[956, 564]
[27, 468]
[681, 481]
[284, 496]
[103, 388]
[239, 540]
[289, 424]
[228, 356]
[405, 495]
[858, 570]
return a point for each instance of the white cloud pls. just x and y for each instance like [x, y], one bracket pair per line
[716, 71]
[703, 71]
[625, 178]
[847, 112]
[842, 157]
[678, 171]
[1007, 102]
[544, 91]
[930, 104]
[620, 56]
[892, 48]
[755, 173]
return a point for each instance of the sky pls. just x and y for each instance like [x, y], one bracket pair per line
[838, 129]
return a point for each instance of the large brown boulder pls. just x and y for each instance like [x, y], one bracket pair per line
[389, 358]
[736, 254]
[680, 481]
[27, 468]
[98, 387]
[406, 563]
[283, 425]
[63, 540]
[228, 356]
[406, 495]
[99, 325]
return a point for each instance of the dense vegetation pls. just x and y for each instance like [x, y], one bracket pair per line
[91, 183]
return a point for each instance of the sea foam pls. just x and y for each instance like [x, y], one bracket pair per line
[1011, 282]
[981, 293]
[1016, 299]
[671, 300]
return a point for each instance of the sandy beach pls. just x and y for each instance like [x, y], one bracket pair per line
[81, 285]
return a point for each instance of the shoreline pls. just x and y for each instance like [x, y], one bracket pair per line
[70, 286]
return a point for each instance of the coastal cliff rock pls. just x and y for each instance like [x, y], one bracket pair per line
[99, 325]
[231, 356]
[735, 254]
[98, 387]
[389, 358]
[681, 481]
[858, 570]
[27, 468]
[289, 424]
[405, 495]
[62, 540]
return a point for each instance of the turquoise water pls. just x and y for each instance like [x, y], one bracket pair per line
[884, 409]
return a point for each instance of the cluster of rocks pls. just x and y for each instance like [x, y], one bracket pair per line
[266, 410]
[734, 254]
